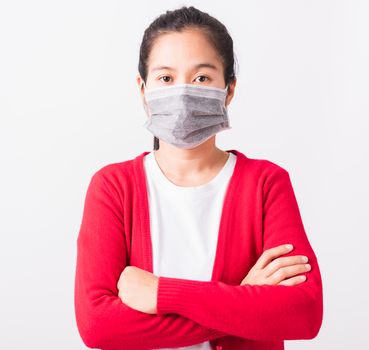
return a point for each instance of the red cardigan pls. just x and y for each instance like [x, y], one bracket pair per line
[260, 211]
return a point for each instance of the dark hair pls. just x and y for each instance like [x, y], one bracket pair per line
[179, 20]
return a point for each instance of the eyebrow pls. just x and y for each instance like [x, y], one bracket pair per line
[197, 66]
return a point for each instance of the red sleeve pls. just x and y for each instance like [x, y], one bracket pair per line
[258, 312]
[103, 320]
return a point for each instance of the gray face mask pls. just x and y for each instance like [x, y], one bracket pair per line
[186, 115]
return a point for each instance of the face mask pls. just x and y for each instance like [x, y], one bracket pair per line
[186, 115]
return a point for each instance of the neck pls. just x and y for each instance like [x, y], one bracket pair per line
[184, 163]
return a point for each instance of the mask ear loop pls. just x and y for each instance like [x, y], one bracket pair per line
[226, 90]
[143, 85]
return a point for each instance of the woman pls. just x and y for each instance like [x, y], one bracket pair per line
[190, 245]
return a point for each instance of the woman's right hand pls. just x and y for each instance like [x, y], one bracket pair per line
[272, 269]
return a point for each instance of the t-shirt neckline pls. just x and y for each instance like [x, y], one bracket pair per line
[209, 186]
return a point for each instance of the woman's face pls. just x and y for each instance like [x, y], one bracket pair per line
[185, 57]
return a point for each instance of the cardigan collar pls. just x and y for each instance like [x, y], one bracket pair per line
[143, 206]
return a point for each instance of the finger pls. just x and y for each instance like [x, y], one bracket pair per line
[293, 281]
[270, 254]
[284, 261]
[288, 271]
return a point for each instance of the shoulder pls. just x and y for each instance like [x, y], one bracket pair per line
[116, 169]
[267, 166]
[260, 167]
[262, 175]
[116, 176]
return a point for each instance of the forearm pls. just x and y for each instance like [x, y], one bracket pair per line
[258, 312]
[107, 323]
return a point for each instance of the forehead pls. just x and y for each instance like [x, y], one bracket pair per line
[189, 49]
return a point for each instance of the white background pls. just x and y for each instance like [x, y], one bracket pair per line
[69, 104]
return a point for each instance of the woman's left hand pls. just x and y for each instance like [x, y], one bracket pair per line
[138, 289]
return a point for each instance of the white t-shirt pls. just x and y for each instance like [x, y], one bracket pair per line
[184, 224]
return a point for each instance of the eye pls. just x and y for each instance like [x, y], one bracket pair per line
[202, 76]
[165, 76]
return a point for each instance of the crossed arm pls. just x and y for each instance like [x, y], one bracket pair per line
[190, 311]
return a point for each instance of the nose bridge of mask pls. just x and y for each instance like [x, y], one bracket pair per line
[182, 90]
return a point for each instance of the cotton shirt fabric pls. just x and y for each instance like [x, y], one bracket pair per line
[260, 211]
[184, 224]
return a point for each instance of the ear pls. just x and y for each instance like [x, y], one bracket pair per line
[140, 83]
[230, 92]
